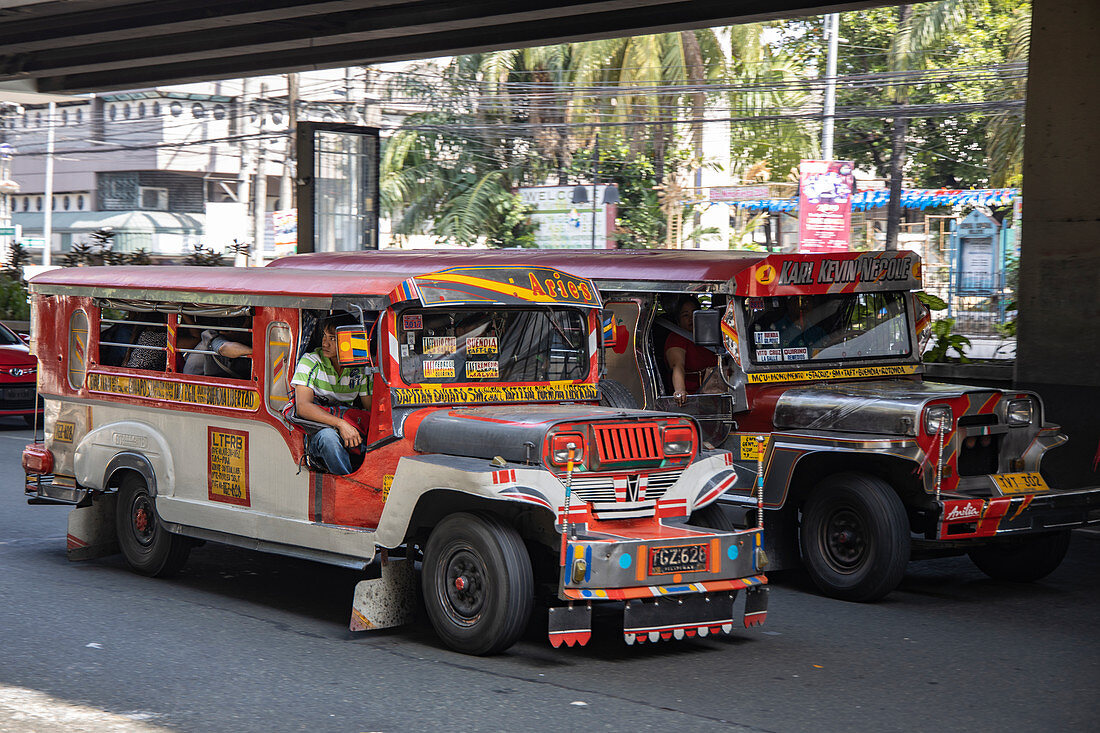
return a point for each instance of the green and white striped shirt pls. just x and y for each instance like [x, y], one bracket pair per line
[319, 374]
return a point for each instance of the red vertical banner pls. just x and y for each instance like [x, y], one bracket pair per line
[825, 189]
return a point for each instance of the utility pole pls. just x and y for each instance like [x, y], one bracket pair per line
[259, 189]
[47, 223]
[244, 183]
[832, 32]
[286, 184]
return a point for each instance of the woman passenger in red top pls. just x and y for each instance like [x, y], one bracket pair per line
[687, 359]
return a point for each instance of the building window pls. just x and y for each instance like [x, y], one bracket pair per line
[219, 112]
[26, 120]
[141, 109]
[80, 203]
[154, 199]
[79, 115]
[198, 111]
[254, 114]
[38, 119]
[26, 203]
[176, 108]
[126, 111]
[277, 117]
[64, 117]
[112, 112]
[156, 109]
[65, 203]
[38, 203]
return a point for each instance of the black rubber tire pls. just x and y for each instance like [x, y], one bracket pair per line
[712, 517]
[148, 547]
[1022, 559]
[854, 537]
[491, 610]
[614, 394]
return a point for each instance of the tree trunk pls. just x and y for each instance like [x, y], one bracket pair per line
[897, 163]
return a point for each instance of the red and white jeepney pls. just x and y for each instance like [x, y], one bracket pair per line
[866, 464]
[486, 452]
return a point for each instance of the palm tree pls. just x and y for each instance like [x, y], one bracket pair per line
[1005, 134]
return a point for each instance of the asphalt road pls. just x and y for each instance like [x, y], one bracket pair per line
[243, 641]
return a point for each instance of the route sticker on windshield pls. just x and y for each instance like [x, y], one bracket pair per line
[482, 370]
[766, 338]
[755, 304]
[411, 322]
[481, 345]
[763, 355]
[441, 369]
[434, 345]
[799, 354]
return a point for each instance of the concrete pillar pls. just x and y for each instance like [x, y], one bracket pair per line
[1058, 351]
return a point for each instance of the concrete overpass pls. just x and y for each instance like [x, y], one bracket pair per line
[89, 45]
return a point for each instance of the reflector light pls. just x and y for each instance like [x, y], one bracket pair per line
[36, 459]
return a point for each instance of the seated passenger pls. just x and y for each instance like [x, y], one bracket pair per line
[323, 392]
[687, 360]
[226, 357]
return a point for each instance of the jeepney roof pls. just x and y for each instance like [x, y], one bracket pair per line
[634, 265]
[658, 270]
[224, 285]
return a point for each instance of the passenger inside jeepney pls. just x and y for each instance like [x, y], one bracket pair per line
[689, 363]
[224, 347]
[323, 393]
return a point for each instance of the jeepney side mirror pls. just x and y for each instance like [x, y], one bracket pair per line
[707, 327]
[353, 346]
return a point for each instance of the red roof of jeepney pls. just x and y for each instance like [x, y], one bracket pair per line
[236, 280]
[627, 264]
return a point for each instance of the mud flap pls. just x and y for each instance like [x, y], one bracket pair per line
[91, 532]
[385, 602]
[756, 605]
[678, 617]
[570, 625]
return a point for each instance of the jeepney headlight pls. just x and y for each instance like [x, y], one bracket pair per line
[938, 418]
[561, 445]
[1019, 412]
[679, 440]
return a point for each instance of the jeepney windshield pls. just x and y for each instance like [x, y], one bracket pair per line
[501, 345]
[827, 327]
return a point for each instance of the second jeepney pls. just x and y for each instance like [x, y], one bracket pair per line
[865, 465]
[486, 453]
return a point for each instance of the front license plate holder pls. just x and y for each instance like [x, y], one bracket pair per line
[17, 394]
[678, 617]
[1030, 482]
[670, 559]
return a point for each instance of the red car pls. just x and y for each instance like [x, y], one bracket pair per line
[18, 371]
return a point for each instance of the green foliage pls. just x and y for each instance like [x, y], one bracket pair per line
[13, 299]
[203, 256]
[934, 302]
[99, 253]
[18, 257]
[947, 340]
[957, 151]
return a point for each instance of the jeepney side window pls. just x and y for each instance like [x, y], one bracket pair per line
[215, 345]
[135, 339]
[504, 345]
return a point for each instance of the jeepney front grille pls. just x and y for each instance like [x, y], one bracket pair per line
[609, 502]
[631, 442]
